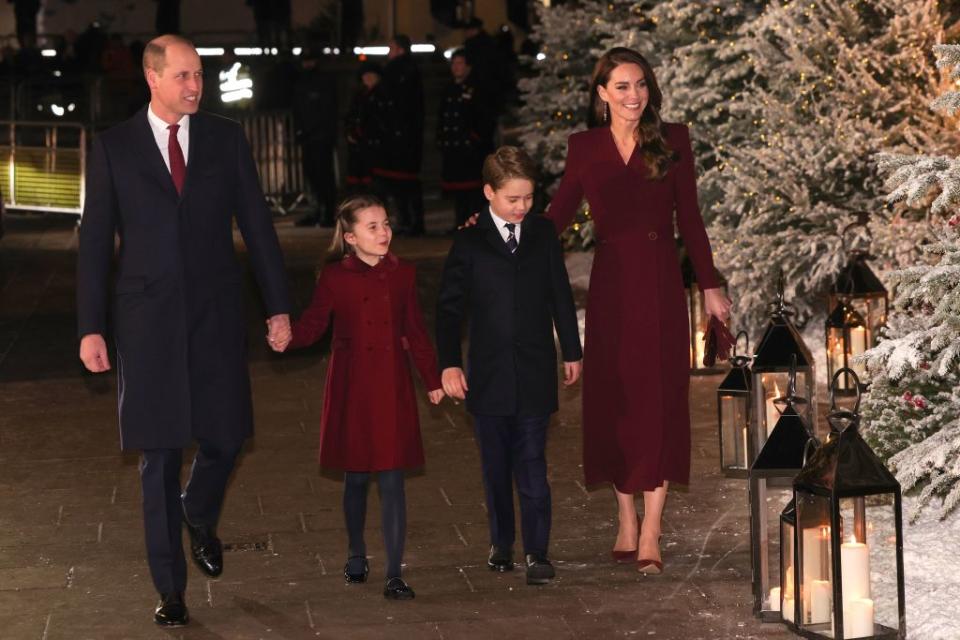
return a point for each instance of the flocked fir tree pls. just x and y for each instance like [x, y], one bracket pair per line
[912, 411]
[831, 83]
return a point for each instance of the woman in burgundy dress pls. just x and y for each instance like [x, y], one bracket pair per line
[635, 172]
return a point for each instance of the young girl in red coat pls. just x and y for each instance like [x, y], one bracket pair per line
[369, 422]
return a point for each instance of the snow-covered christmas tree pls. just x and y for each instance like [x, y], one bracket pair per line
[912, 411]
[831, 83]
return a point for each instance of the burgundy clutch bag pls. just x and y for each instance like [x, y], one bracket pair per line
[719, 342]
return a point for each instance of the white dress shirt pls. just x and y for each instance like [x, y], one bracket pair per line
[162, 136]
[500, 222]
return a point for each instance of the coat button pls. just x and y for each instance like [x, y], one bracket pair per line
[652, 235]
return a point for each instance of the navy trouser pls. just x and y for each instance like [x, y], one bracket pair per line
[512, 450]
[163, 505]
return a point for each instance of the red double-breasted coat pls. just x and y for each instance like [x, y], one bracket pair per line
[636, 421]
[369, 420]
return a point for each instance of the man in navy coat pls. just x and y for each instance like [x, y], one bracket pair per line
[169, 182]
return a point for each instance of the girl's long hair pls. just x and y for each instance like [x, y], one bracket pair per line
[346, 219]
[654, 150]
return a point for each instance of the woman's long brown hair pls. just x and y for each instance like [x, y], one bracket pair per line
[654, 150]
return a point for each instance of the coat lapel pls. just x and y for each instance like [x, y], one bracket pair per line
[156, 168]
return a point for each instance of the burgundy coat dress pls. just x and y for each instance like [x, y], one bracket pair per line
[636, 422]
[369, 420]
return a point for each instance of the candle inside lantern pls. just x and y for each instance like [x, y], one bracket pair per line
[772, 414]
[775, 599]
[820, 598]
[855, 570]
[858, 345]
[816, 556]
[858, 618]
[788, 606]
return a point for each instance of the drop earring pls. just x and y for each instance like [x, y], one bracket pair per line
[606, 111]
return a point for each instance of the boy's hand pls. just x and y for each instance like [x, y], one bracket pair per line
[571, 372]
[435, 396]
[454, 382]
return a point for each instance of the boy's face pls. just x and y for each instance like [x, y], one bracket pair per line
[512, 201]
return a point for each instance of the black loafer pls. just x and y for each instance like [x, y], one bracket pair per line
[397, 589]
[356, 569]
[172, 610]
[205, 548]
[500, 559]
[539, 569]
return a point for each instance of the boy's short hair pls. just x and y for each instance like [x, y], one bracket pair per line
[508, 163]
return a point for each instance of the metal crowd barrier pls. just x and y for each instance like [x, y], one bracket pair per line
[278, 157]
[45, 164]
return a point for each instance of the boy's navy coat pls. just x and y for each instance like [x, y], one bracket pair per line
[512, 303]
[179, 318]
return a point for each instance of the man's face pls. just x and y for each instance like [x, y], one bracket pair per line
[176, 89]
[395, 51]
[459, 68]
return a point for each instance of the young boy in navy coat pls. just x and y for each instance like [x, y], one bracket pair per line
[506, 276]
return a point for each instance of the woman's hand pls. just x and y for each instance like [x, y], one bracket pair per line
[469, 222]
[435, 396]
[716, 304]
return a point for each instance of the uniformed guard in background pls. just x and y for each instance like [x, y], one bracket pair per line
[315, 116]
[363, 127]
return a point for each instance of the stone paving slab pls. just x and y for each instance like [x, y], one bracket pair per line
[72, 563]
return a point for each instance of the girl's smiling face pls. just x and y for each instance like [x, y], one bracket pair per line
[371, 234]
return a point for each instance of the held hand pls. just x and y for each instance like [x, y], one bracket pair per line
[279, 333]
[435, 396]
[93, 353]
[716, 304]
[454, 382]
[571, 372]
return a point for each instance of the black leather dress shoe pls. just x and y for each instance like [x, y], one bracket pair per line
[500, 559]
[539, 569]
[205, 548]
[356, 569]
[172, 610]
[397, 589]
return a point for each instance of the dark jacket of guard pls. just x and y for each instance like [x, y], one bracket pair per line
[178, 309]
[464, 134]
[512, 302]
[364, 133]
[399, 107]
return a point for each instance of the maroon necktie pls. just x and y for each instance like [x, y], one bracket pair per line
[178, 168]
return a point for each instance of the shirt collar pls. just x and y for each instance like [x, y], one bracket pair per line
[160, 127]
[499, 222]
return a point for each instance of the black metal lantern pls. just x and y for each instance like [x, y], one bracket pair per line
[697, 317]
[733, 416]
[849, 573]
[848, 336]
[858, 289]
[771, 483]
[780, 344]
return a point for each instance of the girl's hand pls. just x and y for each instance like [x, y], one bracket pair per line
[435, 396]
[716, 304]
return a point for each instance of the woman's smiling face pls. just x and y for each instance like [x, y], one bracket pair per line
[626, 92]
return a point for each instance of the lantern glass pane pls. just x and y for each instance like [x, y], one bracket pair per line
[787, 590]
[815, 567]
[734, 431]
[873, 310]
[769, 503]
[698, 326]
[868, 566]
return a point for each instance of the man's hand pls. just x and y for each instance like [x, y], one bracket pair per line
[435, 396]
[279, 334]
[454, 382]
[571, 372]
[93, 353]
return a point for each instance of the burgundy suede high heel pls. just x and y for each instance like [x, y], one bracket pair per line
[650, 567]
[625, 557]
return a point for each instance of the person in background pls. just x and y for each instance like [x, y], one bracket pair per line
[363, 128]
[315, 117]
[399, 103]
[465, 137]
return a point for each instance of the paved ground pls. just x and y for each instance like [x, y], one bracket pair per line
[71, 544]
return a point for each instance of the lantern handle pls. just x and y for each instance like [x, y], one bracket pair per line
[791, 397]
[780, 307]
[809, 449]
[736, 342]
[861, 219]
[738, 360]
[833, 391]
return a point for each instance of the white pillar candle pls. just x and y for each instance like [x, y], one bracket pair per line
[820, 598]
[858, 618]
[775, 599]
[814, 558]
[772, 414]
[855, 569]
[788, 607]
[789, 581]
